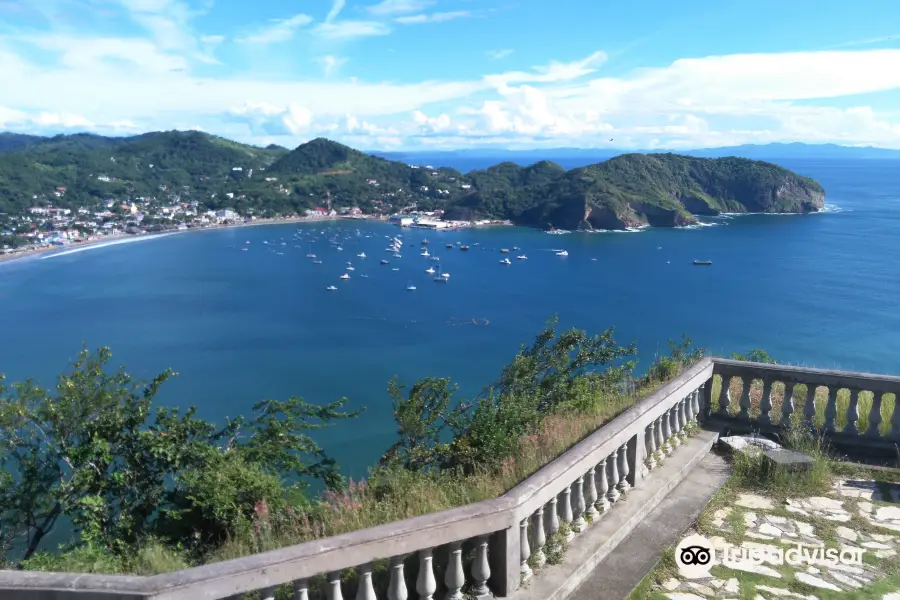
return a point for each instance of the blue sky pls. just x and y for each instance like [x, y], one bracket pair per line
[423, 74]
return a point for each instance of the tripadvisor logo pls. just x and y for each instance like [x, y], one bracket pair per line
[695, 555]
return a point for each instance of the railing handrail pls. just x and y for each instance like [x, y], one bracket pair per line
[397, 538]
[872, 382]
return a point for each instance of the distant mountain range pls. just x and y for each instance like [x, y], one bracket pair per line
[795, 150]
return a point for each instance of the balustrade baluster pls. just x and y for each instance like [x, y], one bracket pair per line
[538, 537]
[765, 403]
[565, 505]
[746, 384]
[426, 585]
[831, 410]
[725, 396]
[525, 550]
[672, 413]
[875, 415]
[895, 416]
[809, 406]
[578, 524]
[333, 591]
[366, 591]
[623, 485]
[659, 440]
[301, 590]
[268, 593]
[397, 585]
[613, 494]
[852, 414]
[695, 403]
[683, 408]
[787, 405]
[590, 495]
[481, 569]
[454, 578]
[666, 447]
[650, 437]
[552, 517]
[603, 489]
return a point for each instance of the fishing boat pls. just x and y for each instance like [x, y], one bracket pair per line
[409, 286]
[505, 261]
[331, 288]
[703, 263]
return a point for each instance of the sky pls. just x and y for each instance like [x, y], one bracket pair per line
[444, 74]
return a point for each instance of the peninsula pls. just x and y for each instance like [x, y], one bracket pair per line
[84, 185]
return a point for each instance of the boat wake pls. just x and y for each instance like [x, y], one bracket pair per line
[104, 245]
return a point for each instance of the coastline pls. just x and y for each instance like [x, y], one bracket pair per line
[12, 256]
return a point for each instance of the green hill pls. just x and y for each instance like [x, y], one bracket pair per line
[629, 190]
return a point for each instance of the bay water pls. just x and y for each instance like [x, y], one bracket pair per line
[239, 326]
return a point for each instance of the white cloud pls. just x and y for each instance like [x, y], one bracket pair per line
[336, 7]
[344, 30]
[498, 54]
[331, 64]
[428, 124]
[438, 17]
[267, 119]
[396, 7]
[279, 30]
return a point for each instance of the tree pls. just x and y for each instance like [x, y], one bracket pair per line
[98, 453]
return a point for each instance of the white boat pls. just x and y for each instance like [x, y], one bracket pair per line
[410, 287]
[425, 252]
[361, 255]
[397, 255]
[562, 253]
[317, 262]
[504, 250]
[331, 288]
[384, 262]
[349, 268]
[339, 248]
[505, 261]
[395, 269]
[345, 276]
[430, 270]
[522, 257]
[310, 253]
[445, 275]
[436, 258]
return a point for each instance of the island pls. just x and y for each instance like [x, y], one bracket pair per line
[85, 185]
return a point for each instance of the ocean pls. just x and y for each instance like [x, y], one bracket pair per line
[239, 326]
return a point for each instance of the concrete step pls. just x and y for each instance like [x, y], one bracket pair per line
[623, 570]
[614, 531]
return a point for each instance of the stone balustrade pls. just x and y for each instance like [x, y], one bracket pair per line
[854, 410]
[485, 549]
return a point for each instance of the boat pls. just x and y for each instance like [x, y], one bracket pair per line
[350, 268]
[703, 262]
[516, 248]
[317, 262]
[562, 253]
[436, 258]
[397, 255]
[505, 261]
[361, 255]
[384, 262]
[430, 270]
[410, 287]
[345, 276]
[446, 276]
[522, 257]
[450, 246]
[425, 242]
[244, 249]
[504, 250]
[331, 288]
[339, 248]
[395, 269]
[310, 253]
[464, 248]
[425, 252]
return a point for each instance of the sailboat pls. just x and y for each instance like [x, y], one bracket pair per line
[345, 276]
[430, 270]
[310, 253]
[441, 277]
[361, 255]
[505, 261]
[410, 287]
[331, 288]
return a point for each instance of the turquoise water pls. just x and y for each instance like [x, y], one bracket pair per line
[239, 326]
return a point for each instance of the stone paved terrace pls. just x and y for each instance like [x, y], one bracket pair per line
[590, 502]
[860, 516]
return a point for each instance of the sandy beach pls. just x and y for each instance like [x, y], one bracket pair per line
[111, 238]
